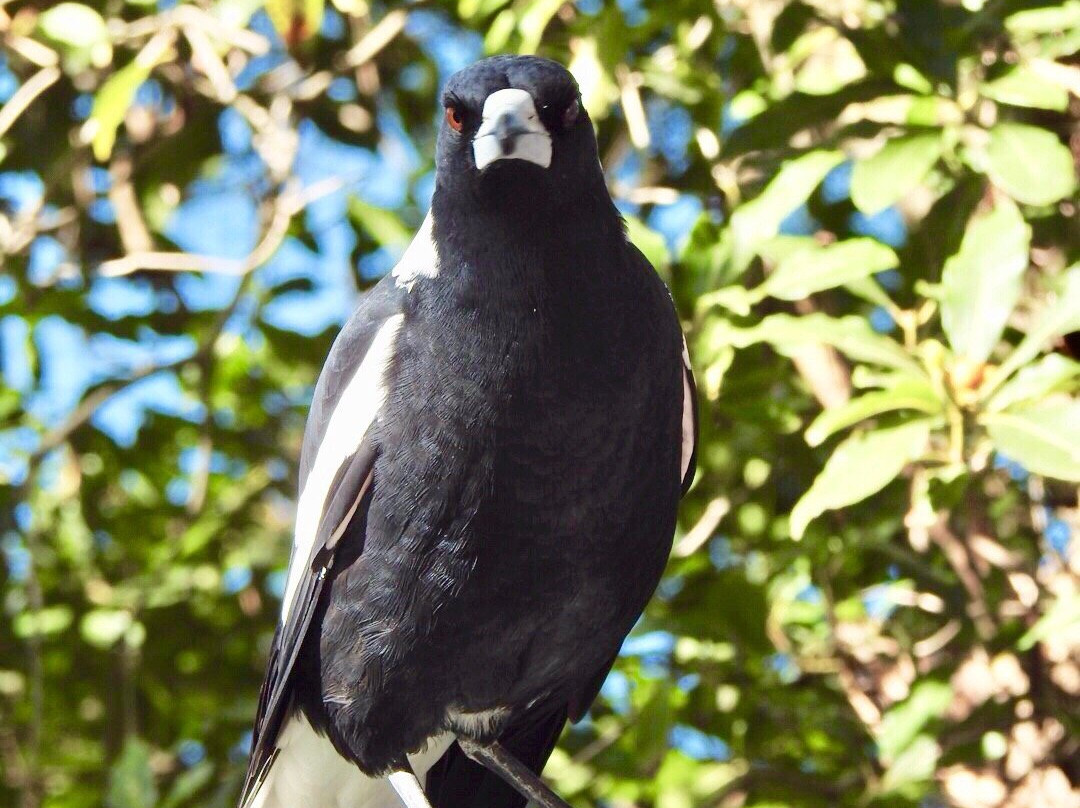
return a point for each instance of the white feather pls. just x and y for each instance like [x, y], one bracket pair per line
[309, 773]
[353, 415]
[420, 260]
[534, 142]
[688, 437]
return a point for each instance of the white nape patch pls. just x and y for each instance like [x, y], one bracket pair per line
[309, 773]
[687, 414]
[476, 724]
[354, 413]
[420, 259]
[514, 109]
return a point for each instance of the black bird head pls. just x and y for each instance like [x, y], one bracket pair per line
[516, 134]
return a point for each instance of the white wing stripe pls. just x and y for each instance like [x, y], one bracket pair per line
[353, 415]
[687, 414]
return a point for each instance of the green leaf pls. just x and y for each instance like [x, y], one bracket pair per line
[1023, 87]
[1044, 439]
[1048, 375]
[860, 466]
[916, 764]
[131, 780]
[75, 25]
[982, 281]
[908, 394]
[850, 335]
[903, 723]
[760, 218]
[651, 243]
[50, 620]
[1059, 17]
[897, 168]
[188, 784]
[808, 271]
[111, 105]
[870, 290]
[103, 627]
[534, 21]
[1029, 163]
[1061, 619]
[384, 226]
[295, 20]
[1060, 317]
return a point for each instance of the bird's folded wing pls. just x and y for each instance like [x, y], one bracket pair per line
[689, 422]
[336, 472]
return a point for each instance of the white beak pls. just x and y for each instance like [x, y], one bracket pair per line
[511, 130]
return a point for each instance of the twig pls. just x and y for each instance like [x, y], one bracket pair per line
[287, 205]
[91, 404]
[703, 530]
[957, 556]
[380, 35]
[210, 63]
[33, 51]
[25, 95]
[636, 123]
[134, 234]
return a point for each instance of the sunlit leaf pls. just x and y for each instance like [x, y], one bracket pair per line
[915, 764]
[1030, 164]
[903, 723]
[1044, 439]
[81, 31]
[111, 105]
[103, 627]
[908, 394]
[1024, 87]
[384, 226]
[894, 170]
[981, 283]
[1050, 374]
[760, 218]
[1060, 317]
[1062, 618]
[805, 272]
[852, 336]
[860, 466]
[651, 243]
[50, 620]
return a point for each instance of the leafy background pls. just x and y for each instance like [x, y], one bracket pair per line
[866, 210]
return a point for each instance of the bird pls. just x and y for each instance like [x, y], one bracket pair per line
[490, 472]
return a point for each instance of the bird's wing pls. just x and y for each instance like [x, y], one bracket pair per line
[336, 465]
[689, 422]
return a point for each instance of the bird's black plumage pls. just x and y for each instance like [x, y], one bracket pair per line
[498, 524]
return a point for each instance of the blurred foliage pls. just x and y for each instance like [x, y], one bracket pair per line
[866, 210]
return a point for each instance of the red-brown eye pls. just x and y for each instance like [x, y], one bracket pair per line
[454, 119]
[570, 114]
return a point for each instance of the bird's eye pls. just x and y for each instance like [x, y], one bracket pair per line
[570, 114]
[454, 119]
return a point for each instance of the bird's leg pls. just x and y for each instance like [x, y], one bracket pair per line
[516, 774]
[408, 788]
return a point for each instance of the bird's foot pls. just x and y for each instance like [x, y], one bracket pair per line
[520, 777]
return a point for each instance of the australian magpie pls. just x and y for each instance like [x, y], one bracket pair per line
[488, 481]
